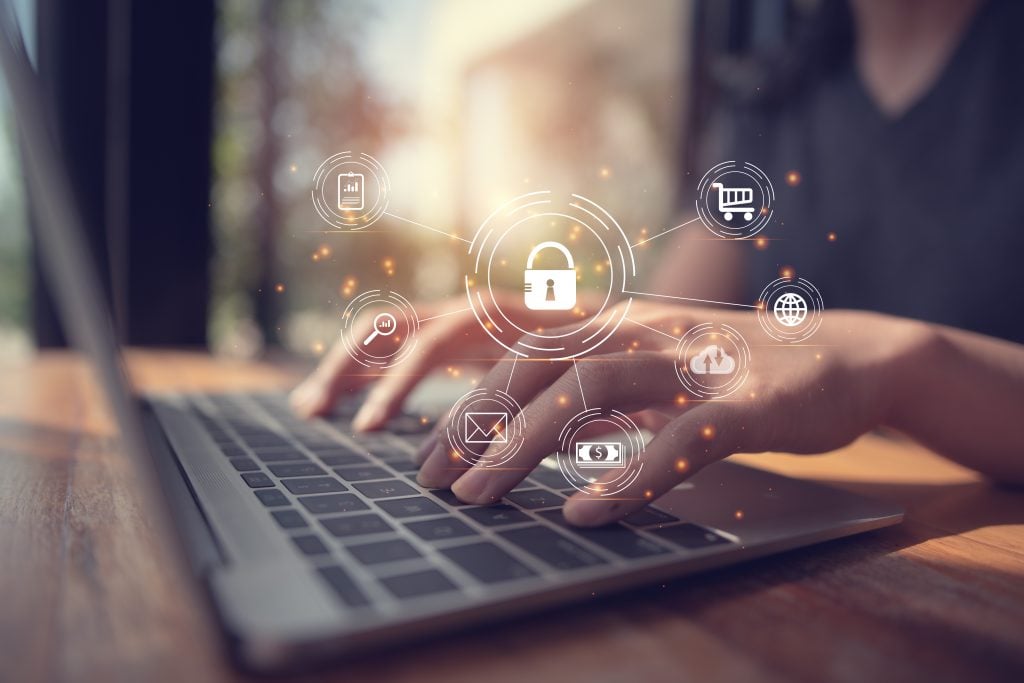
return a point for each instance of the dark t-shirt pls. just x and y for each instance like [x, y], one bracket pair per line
[927, 208]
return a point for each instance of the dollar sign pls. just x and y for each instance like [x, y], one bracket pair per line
[600, 452]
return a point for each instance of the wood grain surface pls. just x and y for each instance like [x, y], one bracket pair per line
[92, 593]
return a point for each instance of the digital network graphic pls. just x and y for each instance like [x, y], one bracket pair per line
[552, 277]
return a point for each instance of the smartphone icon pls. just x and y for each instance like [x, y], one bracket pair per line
[350, 191]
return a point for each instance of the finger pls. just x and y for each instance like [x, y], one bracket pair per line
[317, 394]
[622, 381]
[707, 433]
[439, 340]
[520, 380]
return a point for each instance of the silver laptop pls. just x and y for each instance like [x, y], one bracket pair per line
[314, 543]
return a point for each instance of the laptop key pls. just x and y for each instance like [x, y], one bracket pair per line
[302, 487]
[448, 496]
[343, 586]
[296, 469]
[533, 499]
[264, 439]
[440, 529]
[271, 497]
[389, 488]
[689, 536]
[649, 516]
[244, 464]
[616, 538]
[381, 552]
[356, 525]
[362, 473]
[332, 503]
[418, 506]
[310, 545]
[280, 455]
[417, 584]
[552, 548]
[342, 459]
[488, 563]
[550, 477]
[233, 451]
[257, 480]
[289, 519]
[495, 515]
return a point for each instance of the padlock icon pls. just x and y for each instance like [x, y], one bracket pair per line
[549, 290]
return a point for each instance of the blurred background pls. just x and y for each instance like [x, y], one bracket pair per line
[194, 132]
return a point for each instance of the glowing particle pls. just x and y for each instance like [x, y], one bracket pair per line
[648, 494]
[279, 287]
[787, 272]
[831, 237]
[680, 400]
[682, 465]
[793, 178]
[708, 432]
[605, 172]
[738, 514]
[563, 400]
[761, 243]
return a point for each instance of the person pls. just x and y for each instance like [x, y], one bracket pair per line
[907, 138]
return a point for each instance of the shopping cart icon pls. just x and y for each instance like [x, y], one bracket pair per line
[734, 200]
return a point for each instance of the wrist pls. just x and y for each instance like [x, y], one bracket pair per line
[911, 370]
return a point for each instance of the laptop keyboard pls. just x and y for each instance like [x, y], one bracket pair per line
[350, 504]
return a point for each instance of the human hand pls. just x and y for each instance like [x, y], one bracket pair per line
[449, 331]
[797, 398]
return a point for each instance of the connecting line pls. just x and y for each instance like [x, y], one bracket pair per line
[508, 387]
[584, 396]
[684, 298]
[440, 232]
[664, 232]
[441, 315]
[652, 329]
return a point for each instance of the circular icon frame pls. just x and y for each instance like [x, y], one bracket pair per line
[502, 327]
[778, 327]
[691, 367]
[475, 419]
[573, 453]
[714, 198]
[397, 308]
[359, 167]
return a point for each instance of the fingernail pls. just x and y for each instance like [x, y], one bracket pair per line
[438, 470]
[368, 417]
[471, 486]
[591, 511]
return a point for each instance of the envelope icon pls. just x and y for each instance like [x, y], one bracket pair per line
[486, 427]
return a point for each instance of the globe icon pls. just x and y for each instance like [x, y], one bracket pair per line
[790, 309]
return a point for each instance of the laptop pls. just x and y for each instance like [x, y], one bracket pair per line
[313, 543]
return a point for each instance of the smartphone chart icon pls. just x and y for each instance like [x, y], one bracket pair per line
[351, 191]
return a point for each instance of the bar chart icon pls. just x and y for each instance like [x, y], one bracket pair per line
[350, 191]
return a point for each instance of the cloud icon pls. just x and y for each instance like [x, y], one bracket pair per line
[713, 360]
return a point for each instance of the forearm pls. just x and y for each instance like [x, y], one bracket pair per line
[962, 395]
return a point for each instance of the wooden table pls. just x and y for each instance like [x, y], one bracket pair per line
[90, 593]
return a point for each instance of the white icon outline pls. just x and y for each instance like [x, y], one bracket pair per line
[485, 452]
[774, 325]
[352, 197]
[328, 179]
[476, 430]
[514, 335]
[700, 382]
[613, 480]
[584, 461]
[559, 285]
[357, 342]
[729, 199]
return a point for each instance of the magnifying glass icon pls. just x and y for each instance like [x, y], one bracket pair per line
[384, 324]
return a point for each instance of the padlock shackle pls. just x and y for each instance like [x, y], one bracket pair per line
[553, 245]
